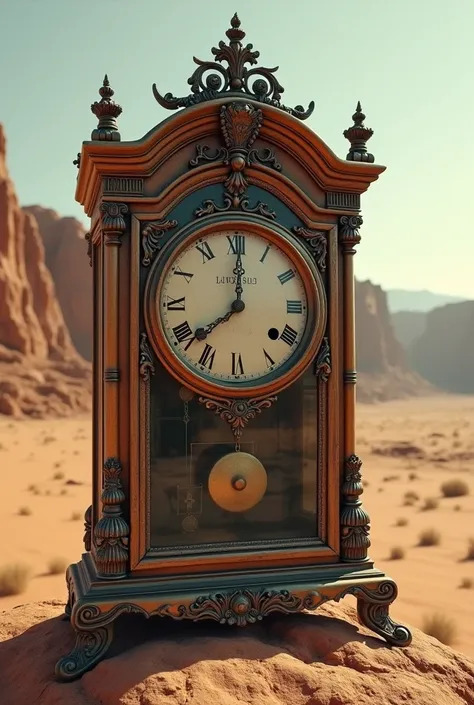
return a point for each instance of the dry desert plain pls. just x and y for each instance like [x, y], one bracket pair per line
[410, 446]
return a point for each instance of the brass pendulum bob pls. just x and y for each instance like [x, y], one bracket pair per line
[237, 482]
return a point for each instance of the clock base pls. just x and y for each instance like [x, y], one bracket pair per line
[239, 599]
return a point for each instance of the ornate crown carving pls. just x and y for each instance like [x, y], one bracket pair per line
[235, 80]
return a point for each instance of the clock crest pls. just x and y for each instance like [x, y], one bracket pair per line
[222, 250]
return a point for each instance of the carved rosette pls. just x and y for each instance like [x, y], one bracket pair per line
[355, 522]
[152, 234]
[240, 125]
[237, 412]
[147, 368]
[113, 221]
[234, 79]
[317, 244]
[88, 239]
[88, 528]
[111, 533]
[241, 607]
[349, 235]
[323, 361]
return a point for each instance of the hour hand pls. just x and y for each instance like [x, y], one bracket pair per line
[202, 333]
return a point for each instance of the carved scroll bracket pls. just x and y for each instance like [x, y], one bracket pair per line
[113, 221]
[317, 242]
[88, 239]
[240, 126]
[152, 234]
[111, 533]
[237, 412]
[355, 522]
[349, 235]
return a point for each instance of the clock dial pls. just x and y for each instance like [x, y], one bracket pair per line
[233, 307]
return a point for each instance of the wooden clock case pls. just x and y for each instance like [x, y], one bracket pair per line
[234, 152]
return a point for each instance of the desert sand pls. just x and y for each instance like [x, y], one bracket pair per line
[438, 433]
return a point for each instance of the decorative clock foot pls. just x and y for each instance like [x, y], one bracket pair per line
[372, 610]
[90, 647]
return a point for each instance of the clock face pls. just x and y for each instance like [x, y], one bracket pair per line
[235, 308]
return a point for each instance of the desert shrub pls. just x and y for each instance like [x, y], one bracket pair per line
[401, 521]
[58, 475]
[454, 488]
[390, 478]
[397, 553]
[457, 507]
[429, 537]
[412, 496]
[408, 502]
[57, 565]
[76, 516]
[467, 583]
[25, 512]
[14, 579]
[470, 550]
[413, 476]
[63, 492]
[430, 503]
[441, 627]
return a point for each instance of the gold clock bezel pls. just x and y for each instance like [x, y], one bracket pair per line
[315, 293]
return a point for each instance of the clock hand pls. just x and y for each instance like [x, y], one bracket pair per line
[202, 333]
[239, 271]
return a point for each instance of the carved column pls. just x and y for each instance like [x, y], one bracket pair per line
[111, 531]
[354, 519]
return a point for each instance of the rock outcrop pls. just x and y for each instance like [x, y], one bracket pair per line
[40, 369]
[65, 252]
[384, 371]
[408, 326]
[323, 658]
[444, 353]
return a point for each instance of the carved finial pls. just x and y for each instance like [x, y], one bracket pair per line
[106, 111]
[358, 135]
[211, 79]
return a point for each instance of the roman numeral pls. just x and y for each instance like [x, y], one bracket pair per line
[294, 307]
[268, 360]
[289, 335]
[175, 304]
[205, 251]
[207, 357]
[236, 245]
[184, 333]
[187, 275]
[286, 276]
[267, 250]
[237, 366]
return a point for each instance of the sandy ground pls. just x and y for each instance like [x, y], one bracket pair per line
[442, 429]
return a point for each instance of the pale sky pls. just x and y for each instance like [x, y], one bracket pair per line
[409, 62]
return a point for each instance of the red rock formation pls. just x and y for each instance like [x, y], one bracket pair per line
[66, 259]
[324, 658]
[40, 370]
[444, 352]
[384, 371]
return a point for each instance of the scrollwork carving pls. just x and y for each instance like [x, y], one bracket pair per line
[323, 361]
[212, 80]
[111, 533]
[237, 412]
[241, 607]
[317, 243]
[87, 528]
[152, 233]
[88, 239]
[147, 368]
[355, 522]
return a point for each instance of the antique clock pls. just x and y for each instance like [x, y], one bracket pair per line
[225, 480]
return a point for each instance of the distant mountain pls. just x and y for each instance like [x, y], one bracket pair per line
[405, 300]
[408, 326]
